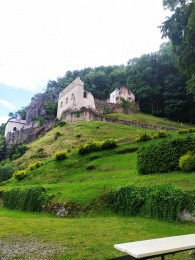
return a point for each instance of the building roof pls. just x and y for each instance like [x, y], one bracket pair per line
[76, 82]
[17, 120]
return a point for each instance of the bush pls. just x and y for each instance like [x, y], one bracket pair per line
[60, 155]
[143, 137]
[35, 165]
[163, 202]
[6, 172]
[187, 162]
[96, 146]
[62, 123]
[18, 151]
[164, 155]
[162, 134]
[57, 134]
[19, 175]
[31, 199]
[184, 131]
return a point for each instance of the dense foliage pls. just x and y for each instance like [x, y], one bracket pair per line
[6, 172]
[162, 202]
[163, 156]
[2, 148]
[17, 151]
[31, 199]
[180, 29]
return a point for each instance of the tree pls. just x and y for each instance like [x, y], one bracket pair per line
[180, 29]
[50, 107]
[2, 148]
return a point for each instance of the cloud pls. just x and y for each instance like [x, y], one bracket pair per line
[3, 119]
[41, 40]
[7, 104]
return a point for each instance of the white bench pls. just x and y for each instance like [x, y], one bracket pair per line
[160, 247]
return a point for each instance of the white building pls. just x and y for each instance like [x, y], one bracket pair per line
[74, 97]
[14, 124]
[123, 92]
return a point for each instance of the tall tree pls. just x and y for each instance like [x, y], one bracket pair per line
[180, 29]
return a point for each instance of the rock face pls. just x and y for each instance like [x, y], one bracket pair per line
[36, 107]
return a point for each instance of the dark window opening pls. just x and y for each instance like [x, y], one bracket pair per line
[14, 129]
[85, 94]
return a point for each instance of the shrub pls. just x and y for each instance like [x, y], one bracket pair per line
[187, 162]
[60, 155]
[6, 172]
[62, 123]
[96, 146]
[143, 137]
[164, 155]
[163, 202]
[17, 151]
[31, 199]
[35, 165]
[57, 134]
[162, 134]
[19, 175]
[184, 131]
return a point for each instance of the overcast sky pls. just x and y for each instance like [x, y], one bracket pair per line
[42, 39]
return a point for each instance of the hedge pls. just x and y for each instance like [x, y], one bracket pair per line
[164, 155]
[162, 202]
[96, 146]
[31, 199]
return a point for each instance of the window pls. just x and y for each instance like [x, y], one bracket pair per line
[66, 100]
[72, 96]
[85, 94]
[14, 129]
[61, 104]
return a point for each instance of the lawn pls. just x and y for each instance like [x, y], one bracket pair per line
[81, 182]
[90, 237]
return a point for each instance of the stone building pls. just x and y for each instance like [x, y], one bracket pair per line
[74, 97]
[15, 124]
[123, 92]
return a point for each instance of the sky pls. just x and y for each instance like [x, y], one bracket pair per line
[42, 39]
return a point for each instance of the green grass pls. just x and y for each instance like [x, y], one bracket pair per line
[149, 120]
[90, 237]
[81, 182]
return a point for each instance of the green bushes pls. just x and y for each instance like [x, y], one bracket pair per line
[184, 131]
[35, 165]
[143, 137]
[96, 146]
[6, 172]
[62, 123]
[161, 202]
[18, 151]
[19, 175]
[31, 199]
[60, 155]
[164, 155]
[146, 136]
[187, 162]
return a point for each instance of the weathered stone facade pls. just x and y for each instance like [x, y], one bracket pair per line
[123, 92]
[74, 97]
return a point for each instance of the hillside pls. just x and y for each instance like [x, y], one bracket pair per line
[81, 179]
[81, 183]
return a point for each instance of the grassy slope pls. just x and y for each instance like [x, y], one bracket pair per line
[92, 236]
[148, 119]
